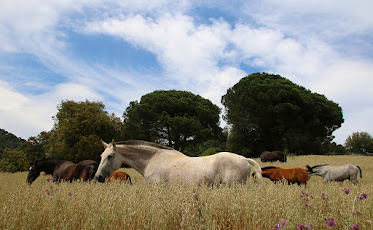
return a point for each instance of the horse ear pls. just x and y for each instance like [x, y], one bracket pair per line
[104, 144]
[113, 143]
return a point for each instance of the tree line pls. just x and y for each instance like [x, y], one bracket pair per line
[263, 112]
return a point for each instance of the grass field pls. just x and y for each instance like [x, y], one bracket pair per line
[262, 205]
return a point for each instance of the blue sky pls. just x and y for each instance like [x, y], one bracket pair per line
[116, 51]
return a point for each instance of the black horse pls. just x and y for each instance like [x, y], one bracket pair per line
[63, 170]
[273, 156]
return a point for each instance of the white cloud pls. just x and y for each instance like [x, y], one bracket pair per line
[22, 115]
[298, 40]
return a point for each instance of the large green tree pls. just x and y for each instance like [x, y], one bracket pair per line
[359, 143]
[269, 112]
[175, 118]
[78, 128]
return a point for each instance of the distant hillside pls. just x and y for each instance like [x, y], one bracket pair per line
[8, 140]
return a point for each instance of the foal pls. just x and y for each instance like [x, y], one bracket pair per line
[121, 176]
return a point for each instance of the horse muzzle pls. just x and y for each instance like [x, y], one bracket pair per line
[100, 178]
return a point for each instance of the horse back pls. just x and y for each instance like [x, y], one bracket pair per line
[85, 170]
[64, 171]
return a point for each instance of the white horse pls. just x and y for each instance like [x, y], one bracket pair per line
[335, 173]
[159, 163]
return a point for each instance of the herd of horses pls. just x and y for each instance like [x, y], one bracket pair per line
[159, 163]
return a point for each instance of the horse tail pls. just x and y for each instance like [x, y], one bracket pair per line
[361, 175]
[129, 179]
[257, 169]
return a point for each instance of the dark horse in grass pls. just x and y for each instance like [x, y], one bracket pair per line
[273, 156]
[63, 170]
[294, 175]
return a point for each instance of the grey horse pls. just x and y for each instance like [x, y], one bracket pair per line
[335, 173]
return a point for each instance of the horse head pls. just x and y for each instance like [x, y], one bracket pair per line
[33, 173]
[110, 161]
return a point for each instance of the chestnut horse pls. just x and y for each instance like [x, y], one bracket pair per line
[294, 175]
[63, 170]
[120, 176]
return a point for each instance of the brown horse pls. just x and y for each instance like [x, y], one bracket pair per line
[273, 156]
[294, 175]
[63, 170]
[120, 176]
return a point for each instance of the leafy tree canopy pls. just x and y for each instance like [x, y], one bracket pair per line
[359, 143]
[174, 118]
[77, 131]
[269, 112]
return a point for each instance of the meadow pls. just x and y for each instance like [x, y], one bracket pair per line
[255, 205]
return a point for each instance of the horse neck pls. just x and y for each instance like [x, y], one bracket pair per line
[136, 157]
[49, 166]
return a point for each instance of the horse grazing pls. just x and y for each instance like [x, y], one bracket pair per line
[159, 163]
[294, 175]
[335, 173]
[273, 156]
[120, 176]
[63, 170]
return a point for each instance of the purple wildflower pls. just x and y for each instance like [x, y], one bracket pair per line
[330, 222]
[47, 192]
[70, 194]
[303, 194]
[363, 196]
[304, 227]
[309, 206]
[324, 197]
[354, 227]
[282, 224]
[346, 190]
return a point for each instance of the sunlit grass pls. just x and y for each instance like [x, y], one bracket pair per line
[264, 205]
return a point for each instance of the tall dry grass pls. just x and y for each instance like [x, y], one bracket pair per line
[263, 205]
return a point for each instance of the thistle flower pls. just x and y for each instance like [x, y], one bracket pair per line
[346, 191]
[357, 212]
[330, 222]
[303, 194]
[280, 225]
[305, 227]
[70, 194]
[354, 227]
[324, 197]
[283, 223]
[363, 196]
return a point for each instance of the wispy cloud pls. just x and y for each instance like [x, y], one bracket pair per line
[321, 45]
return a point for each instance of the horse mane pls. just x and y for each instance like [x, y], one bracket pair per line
[144, 143]
[316, 166]
[269, 167]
